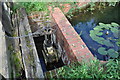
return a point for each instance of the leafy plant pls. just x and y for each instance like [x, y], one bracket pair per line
[35, 6]
[112, 69]
[31, 6]
[118, 42]
[99, 31]
[91, 6]
[93, 69]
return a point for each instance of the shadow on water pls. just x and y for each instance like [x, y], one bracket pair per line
[83, 23]
[39, 46]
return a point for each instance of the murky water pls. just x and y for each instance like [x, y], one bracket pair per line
[50, 66]
[84, 22]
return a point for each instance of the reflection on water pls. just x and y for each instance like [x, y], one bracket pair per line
[84, 30]
[83, 23]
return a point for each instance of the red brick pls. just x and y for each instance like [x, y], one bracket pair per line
[69, 36]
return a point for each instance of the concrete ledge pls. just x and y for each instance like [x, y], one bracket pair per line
[74, 46]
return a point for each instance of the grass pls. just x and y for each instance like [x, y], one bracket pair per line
[93, 70]
[39, 6]
[35, 6]
[31, 6]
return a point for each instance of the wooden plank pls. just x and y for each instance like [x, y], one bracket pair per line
[16, 57]
[25, 53]
[34, 69]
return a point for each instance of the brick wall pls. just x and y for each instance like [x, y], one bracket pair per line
[75, 48]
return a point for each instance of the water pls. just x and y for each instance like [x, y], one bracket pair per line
[50, 66]
[84, 22]
[39, 46]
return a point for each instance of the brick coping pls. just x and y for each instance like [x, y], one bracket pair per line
[77, 48]
[76, 45]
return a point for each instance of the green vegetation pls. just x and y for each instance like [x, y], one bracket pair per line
[35, 6]
[17, 64]
[31, 6]
[40, 6]
[118, 42]
[90, 7]
[99, 31]
[93, 69]
[81, 70]
[43, 6]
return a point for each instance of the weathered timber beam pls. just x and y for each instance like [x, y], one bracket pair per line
[33, 69]
[16, 57]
